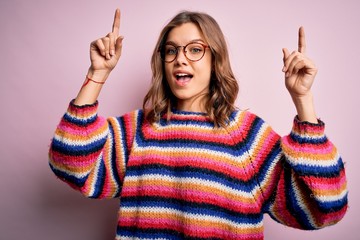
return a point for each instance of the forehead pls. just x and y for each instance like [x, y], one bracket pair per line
[185, 33]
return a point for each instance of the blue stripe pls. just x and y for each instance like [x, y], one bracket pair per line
[134, 232]
[320, 171]
[80, 121]
[100, 179]
[114, 166]
[124, 142]
[194, 172]
[191, 207]
[76, 150]
[292, 203]
[79, 182]
[308, 140]
[269, 160]
[333, 206]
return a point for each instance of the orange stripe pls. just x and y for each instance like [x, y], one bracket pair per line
[77, 137]
[191, 221]
[297, 153]
[329, 192]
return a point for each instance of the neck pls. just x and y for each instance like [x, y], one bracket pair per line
[194, 105]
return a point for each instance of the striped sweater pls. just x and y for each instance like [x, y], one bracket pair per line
[184, 178]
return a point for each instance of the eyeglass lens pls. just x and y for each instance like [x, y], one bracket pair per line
[192, 51]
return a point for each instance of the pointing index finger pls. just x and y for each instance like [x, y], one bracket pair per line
[116, 23]
[301, 41]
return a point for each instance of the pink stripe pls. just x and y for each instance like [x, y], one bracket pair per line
[196, 196]
[69, 128]
[308, 148]
[330, 183]
[71, 161]
[270, 141]
[185, 134]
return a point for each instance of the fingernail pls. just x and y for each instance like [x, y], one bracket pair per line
[287, 74]
[284, 69]
[112, 52]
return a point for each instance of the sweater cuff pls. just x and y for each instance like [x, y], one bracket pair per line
[308, 149]
[305, 131]
[81, 115]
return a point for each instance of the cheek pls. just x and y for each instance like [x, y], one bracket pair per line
[205, 71]
[168, 73]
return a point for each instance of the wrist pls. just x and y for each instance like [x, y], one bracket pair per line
[305, 108]
[303, 100]
[97, 75]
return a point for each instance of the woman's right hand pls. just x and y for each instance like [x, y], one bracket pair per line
[105, 52]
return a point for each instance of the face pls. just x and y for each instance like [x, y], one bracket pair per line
[189, 81]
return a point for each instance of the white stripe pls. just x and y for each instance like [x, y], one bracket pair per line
[96, 169]
[115, 186]
[270, 171]
[81, 142]
[299, 200]
[308, 136]
[77, 117]
[333, 197]
[192, 152]
[332, 162]
[259, 136]
[197, 181]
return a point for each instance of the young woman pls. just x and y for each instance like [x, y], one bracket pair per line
[189, 164]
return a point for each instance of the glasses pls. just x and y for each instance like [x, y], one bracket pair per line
[192, 51]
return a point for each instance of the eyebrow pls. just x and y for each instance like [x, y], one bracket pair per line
[192, 41]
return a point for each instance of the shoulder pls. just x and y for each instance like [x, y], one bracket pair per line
[135, 113]
[132, 117]
[247, 120]
[245, 117]
[250, 126]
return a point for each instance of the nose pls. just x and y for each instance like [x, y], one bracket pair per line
[180, 57]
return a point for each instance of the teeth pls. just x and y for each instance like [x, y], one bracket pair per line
[181, 75]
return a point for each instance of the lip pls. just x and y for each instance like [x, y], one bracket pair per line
[181, 72]
[182, 83]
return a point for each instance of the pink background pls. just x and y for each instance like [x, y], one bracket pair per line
[44, 58]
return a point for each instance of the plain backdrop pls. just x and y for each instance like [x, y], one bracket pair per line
[44, 56]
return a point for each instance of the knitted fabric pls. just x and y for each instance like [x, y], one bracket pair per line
[185, 178]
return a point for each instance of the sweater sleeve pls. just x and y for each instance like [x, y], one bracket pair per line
[310, 192]
[90, 152]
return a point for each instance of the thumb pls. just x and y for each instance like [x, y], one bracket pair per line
[285, 56]
[118, 46]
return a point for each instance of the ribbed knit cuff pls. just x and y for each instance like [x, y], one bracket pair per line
[307, 129]
[81, 115]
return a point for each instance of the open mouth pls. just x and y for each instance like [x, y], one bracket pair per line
[183, 76]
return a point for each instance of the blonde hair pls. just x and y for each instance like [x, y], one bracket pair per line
[223, 88]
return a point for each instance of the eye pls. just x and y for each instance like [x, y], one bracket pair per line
[195, 48]
[170, 50]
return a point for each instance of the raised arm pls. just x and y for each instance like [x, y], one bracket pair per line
[105, 52]
[300, 73]
[88, 151]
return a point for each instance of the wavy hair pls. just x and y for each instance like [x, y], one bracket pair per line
[223, 87]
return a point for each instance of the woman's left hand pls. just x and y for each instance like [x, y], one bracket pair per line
[299, 70]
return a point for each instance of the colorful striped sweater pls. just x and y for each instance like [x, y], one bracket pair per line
[184, 178]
